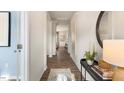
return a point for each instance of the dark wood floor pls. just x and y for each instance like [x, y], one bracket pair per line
[61, 60]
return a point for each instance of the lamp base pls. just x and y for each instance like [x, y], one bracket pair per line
[118, 74]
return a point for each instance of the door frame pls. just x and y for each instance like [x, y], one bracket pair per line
[24, 40]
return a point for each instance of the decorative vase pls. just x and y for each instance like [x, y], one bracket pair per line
[90, 62]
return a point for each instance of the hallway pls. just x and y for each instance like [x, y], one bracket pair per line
[62, 60]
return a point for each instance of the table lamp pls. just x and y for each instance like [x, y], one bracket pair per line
[113, 53]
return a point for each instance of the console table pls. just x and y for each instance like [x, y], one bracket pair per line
[93, 74]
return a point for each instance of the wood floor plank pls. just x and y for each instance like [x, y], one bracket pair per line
[61, 60]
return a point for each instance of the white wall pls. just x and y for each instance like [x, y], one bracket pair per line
[51, 36]
[118, 24]
[69, 42]
[37, 44]
[83, 35]
[73, 33]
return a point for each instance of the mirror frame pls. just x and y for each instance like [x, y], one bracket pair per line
[97, 28]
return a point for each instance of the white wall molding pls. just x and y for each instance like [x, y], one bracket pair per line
[24, 40]
[51, 37]
[50, 40]
[45, 41]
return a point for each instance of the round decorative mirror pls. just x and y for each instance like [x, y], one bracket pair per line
[110, 25]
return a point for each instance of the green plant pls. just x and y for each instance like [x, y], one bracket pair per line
[90, 56]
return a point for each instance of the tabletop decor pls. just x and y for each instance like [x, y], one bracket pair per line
[90, 55]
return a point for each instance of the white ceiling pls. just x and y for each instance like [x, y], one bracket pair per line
[62, 18]
[61, 15]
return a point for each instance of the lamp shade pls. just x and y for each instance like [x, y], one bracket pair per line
[113, 52]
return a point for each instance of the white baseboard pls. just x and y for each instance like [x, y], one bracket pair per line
[43, 72]
[8, 78]
[74, 60]
[45, 68]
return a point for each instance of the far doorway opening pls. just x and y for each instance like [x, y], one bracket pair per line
[62, 36]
